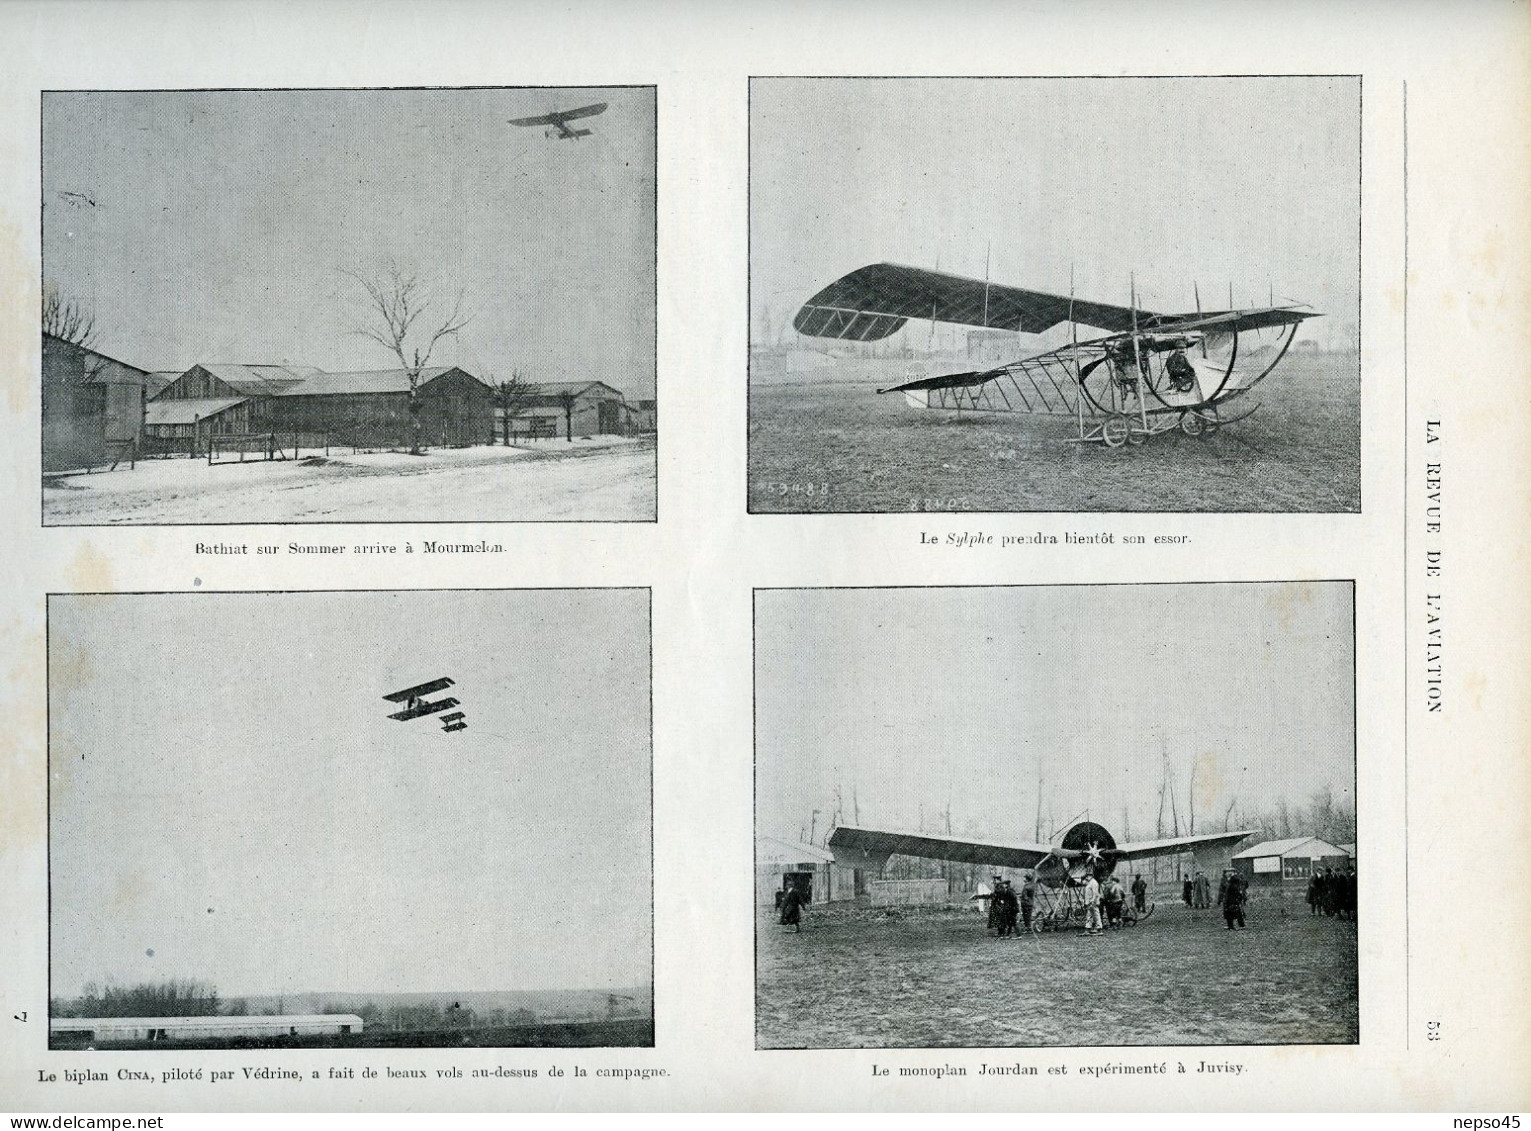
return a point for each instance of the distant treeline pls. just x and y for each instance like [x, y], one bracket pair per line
[146, 999]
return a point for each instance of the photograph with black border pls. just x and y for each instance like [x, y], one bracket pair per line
[350, 819]
[1093, 293]
[1056, 816]
[427, 304]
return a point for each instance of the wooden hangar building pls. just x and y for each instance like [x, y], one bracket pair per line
[573, 408]
[365, 408]
[93, 405]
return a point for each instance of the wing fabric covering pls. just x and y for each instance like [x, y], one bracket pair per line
[874, 302]
[870, 848]
[1147, 849]
[857, 847]
[559, 117]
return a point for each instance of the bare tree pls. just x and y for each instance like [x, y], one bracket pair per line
[511, 397]
[66, 319]
[401, 316]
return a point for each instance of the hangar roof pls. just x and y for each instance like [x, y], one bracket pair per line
[771, 849]
[1312, 848]
[366, 381]
[187, 412]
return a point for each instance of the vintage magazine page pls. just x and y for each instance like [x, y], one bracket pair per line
[810, 558]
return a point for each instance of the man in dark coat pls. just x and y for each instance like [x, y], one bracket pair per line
[1187, 891]
[1139, 893]
[1315, 893]
[1232, 899]
[1009, 908]
[1028, 900]
[792, 909]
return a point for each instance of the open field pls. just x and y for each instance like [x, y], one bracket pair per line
[631, 1033]
[835, 446]
[601, 479]
[932, 977]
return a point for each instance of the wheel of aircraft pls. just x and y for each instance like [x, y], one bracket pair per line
[1116, 430]
[1193, 423]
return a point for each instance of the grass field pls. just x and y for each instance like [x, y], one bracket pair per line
[838, 447]
[923, 978]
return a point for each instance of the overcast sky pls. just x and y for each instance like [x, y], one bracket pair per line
[1249, 181]
[920, 698]
[222, 223]
[231, 803]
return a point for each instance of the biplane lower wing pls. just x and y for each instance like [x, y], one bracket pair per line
[423, 708]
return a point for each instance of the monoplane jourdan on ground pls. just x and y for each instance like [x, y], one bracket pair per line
[1150, 373]
[1061, 868]
[559, 120]
[417, 706]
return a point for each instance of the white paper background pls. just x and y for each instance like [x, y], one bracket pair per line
[1450, 947]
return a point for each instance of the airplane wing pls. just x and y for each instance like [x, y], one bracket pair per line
[423, 708]
[870, 848]
[873, 302]
[418, 690]
[559, 117]
[1173, 846]
[1234, 321]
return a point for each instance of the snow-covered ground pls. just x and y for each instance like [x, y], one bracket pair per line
[599, 479]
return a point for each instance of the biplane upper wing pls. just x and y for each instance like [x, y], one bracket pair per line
[419, 690]
[870, 848]
[1175, 845]
[873, 302]
[559, 117]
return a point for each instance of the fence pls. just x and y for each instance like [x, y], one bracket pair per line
[260, 446]
[908, 893]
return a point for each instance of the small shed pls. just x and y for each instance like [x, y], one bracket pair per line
[1289, 862]
[573, 408]
[781, 863]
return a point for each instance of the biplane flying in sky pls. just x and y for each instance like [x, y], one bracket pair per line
[558, 121]
[1150, 373]
[1085, 848]
[417, 706]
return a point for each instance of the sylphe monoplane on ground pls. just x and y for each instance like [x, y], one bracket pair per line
[417, 706]
[1151, 372]
[1061, 868]
[558, 121]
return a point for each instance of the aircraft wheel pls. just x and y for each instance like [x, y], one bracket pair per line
[1135, 435]
[1193, 423]
[1115, 431]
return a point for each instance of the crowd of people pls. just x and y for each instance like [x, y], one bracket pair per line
[1332, 893]
[1329, 893]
